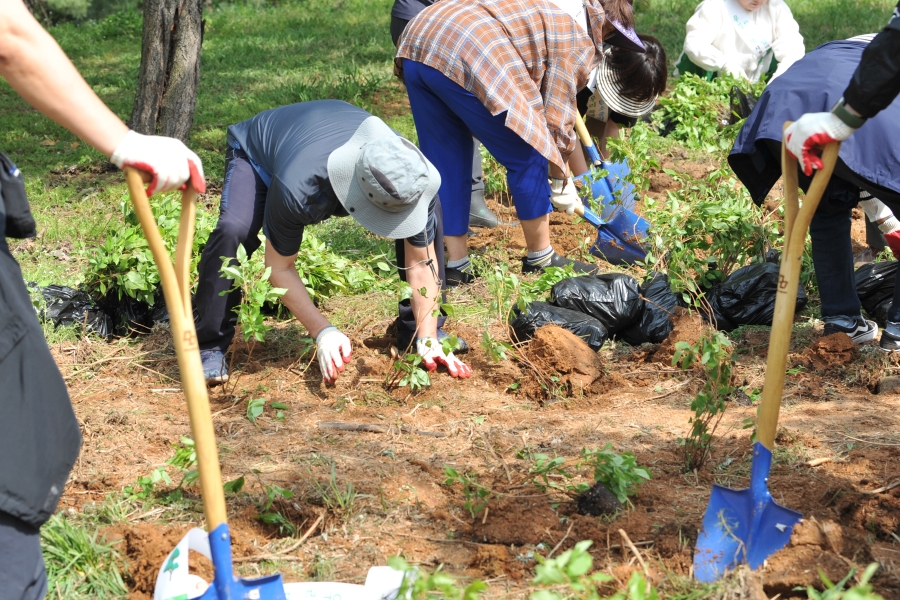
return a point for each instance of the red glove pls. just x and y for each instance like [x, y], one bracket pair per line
[893, 242]
[809, 133]
[432, 353]
[168, 160]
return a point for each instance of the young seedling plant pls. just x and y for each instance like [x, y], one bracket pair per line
[713, 354]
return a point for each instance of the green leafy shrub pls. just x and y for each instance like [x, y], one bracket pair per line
[419, 584]
[569, 576]
[713, 354]
[704, 231]
[620, 473]
[251, 277]
[123, 264]
[699, 110]
[636, 149]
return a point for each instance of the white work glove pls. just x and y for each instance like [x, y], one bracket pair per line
[809, 133]
[432, 354]
[333, 348]
[564, 195]
[168, 160]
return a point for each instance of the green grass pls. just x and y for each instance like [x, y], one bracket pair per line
[79, 564]
[820, 20]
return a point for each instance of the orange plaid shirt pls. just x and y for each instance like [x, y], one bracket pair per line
[527, 57]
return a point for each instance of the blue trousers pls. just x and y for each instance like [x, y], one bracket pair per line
[446, 117]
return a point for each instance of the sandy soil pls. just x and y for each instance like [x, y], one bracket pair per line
[132, 411]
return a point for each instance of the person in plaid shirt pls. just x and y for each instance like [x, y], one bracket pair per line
[507, 72]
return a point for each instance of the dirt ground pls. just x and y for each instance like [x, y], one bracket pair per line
[132, 412]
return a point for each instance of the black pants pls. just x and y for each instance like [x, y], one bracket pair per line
[22, 572]
[240, 221]
[832, 249]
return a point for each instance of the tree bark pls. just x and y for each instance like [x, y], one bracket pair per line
[170, 68]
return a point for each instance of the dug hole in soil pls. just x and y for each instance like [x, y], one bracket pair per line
[491, 425]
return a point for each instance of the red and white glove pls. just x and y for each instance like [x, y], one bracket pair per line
[564, 195]
[432, 354]
[172, 165]
[809, 133]
[333, 348]
[893, 242]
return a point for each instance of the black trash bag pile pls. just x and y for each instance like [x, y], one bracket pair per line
[68, 306]
[538, 314]
[747, 297]
[614, 299]
[135, 317]
[875, 288]
[654, 323]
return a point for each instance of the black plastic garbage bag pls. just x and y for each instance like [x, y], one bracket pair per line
[68, 306]
[875, 288]
[654, 324]
[614, 299]
[538, 314]
[741, 104]
[747, 297]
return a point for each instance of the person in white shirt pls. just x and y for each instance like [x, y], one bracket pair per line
[744, 38]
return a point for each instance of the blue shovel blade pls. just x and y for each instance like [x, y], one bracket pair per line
[228, 587]
[742, 526]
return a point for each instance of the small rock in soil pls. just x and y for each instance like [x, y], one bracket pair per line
[740, 397]
[888, 385]
[598, 501]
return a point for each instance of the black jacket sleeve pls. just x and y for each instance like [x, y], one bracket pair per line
[876, 81]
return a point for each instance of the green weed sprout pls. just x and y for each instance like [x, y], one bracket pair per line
[419, 584]
[836, 591]
[269, 515]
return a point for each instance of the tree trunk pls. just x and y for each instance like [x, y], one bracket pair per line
[170, 68]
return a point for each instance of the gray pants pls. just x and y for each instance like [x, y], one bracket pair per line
[22, 573]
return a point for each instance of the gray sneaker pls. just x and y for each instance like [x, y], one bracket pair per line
[859, 329]
[214, 368]
[890, 337]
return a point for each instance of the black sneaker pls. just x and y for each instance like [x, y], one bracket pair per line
[560, 261]
[890, 337]
[455, 277]
[859, 329]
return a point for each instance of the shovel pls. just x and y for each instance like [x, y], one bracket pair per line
[618, 237]
[176, 286]
[748, 526]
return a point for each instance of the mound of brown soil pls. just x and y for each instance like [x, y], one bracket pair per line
[146, 546]
[835, 350]
[688, 327]
[555, 350]
[815, 546]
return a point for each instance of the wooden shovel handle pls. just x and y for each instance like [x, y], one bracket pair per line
[796, 225]
[177, 292]
[586, 140]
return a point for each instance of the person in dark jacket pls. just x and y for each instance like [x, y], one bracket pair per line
[402, 12]
[865, 173]
[39, 434]
[873, 88]
[301, 164]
